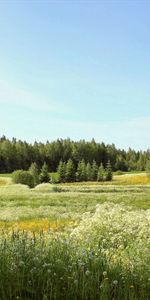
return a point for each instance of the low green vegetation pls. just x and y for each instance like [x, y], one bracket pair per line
[75, 240]
[23, 177]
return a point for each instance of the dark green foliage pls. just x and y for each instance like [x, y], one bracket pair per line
[94, 171]
[88, 171]
[44, 175]
[61, 170]
[108, 172]
[34, 171]
[70, 171]
[148, 168]
[17, 154]
[23, 177]
[101, 173]
[81, 174]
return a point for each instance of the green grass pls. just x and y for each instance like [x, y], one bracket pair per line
[6, 175]
[105, 257]
[75, 241]
[17, 202]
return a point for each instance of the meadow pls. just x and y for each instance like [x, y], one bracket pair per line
[75, 241]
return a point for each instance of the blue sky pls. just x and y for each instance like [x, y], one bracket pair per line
[78, 69]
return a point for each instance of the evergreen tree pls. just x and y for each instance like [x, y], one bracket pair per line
[44, 175]
[94, 171]
[34, 171]
[61, 170]
[109, 174]
[70, 171]
[148, 168]
[81, 171]
[101, 173]
[88, 171]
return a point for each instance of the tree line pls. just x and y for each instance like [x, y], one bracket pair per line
[84, 172]
[17, 154]
[66, 172]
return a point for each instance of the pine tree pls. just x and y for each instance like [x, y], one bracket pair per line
[44, 175]
[81, 171]
[94, 171]
[70, 171]
[148, 168]
[61, 170]
[34, 171]
[101, 173]
[109, 174]
[88, 171]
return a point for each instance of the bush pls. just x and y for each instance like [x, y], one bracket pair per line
[56, 189]
[23, 177]
[54, 178]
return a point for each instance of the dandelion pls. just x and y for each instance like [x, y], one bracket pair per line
[104, 273]
[115, 282]
[87, 272]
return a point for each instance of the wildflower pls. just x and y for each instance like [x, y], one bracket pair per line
[104, 273]
[115, 282]
[87, 272]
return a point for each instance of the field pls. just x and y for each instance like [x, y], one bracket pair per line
[75, 241]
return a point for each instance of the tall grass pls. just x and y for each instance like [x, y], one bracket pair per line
[83, 241]
[106, 257]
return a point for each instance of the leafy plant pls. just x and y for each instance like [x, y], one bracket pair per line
[23, 177]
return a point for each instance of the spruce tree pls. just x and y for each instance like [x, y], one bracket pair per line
[44, 175]
[88, 171]
[61, 170]
[81, 171]
[109, 174]
[70, 171]
[101, 173]
[94, 171]
[148, 168]
[34, 171]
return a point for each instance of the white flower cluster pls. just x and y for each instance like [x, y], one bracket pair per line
[119, 233]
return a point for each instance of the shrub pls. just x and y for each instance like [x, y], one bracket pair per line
[23, 177]
[54, 177]
[56, 189]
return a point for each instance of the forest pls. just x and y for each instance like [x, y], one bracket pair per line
[16, 154]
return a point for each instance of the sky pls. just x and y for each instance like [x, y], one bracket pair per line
[78, 69]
